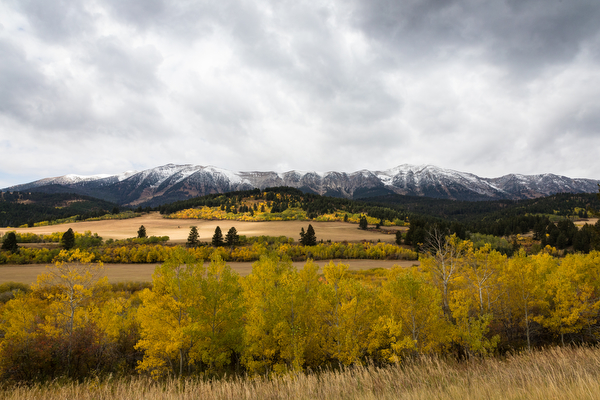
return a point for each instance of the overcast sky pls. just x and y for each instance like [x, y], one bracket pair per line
[488, 87]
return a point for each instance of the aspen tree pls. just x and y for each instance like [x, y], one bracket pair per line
[524, 281]
[348, 314]
[574, 303]
[264, 291]
[411, 317]
[165, 315]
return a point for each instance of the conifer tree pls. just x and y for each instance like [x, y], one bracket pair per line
[192, 240]
[68, 239]
[398, 237]
[141, 232]
[217, 239]
[308, 238]
[311, 239]
[10, 242]
[363, 223]
[232, 238]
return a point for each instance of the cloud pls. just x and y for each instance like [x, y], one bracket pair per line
[489, 87]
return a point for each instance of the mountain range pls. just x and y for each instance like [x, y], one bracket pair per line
[168, 183]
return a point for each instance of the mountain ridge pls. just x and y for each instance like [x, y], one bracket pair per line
[172, 182]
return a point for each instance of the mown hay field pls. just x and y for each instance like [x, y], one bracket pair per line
[143, 272]
[178, 229]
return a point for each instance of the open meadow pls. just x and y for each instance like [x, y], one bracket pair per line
[554, 373]
[178, 229]
[143, 272]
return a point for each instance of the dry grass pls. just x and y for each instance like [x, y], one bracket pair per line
[582, 222]
[558, 373]
[179, 229]
[143, 272]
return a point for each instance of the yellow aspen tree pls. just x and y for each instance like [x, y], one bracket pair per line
[165, 316]
[71, 285]
[262, 293]
[20, 315]
[295, 328]
[411, 318]
[524, 281]
[574, 303]
[310, 308]
[19, 321]
[479, 274]
[74, 286]
[444, 255]
[347, 313]
[470, 325]
[217, 319]
[475, 290]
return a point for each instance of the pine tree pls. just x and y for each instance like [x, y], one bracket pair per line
[232, 238]
[363, 223]
[309, 238]
[217, 239]
[141, 232]
[398, 237]
[10, 242]
[192, 240]
[68, 239]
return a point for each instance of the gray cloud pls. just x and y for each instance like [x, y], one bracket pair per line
[489, 87]
[58, 20]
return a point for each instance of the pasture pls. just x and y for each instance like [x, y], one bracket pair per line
[178, 229]
[143, 272]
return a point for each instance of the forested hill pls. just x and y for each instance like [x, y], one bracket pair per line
[282, 198]
[562, 204]
[20, 208]
[550, 218]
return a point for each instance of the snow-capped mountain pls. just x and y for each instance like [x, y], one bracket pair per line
[171, 182]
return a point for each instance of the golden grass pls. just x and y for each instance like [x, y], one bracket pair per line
[179, 229]
[28, 273]
[557, 373]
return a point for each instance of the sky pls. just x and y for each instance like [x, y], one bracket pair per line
[489, 87]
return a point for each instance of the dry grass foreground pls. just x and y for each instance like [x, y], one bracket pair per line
[558, 373]
[178, 229]
[143, 272]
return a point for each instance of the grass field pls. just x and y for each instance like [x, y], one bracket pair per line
[557, 373]
[143, 272]
[179, 229]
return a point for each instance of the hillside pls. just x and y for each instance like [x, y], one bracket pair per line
[19, 208]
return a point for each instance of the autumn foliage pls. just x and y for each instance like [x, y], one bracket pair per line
[203, 318]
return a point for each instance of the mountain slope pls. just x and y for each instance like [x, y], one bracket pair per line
[171, 182]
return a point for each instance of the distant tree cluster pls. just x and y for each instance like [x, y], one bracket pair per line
[231, 239]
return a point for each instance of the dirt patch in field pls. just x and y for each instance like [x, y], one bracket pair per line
[143, 272]
[178, 229]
